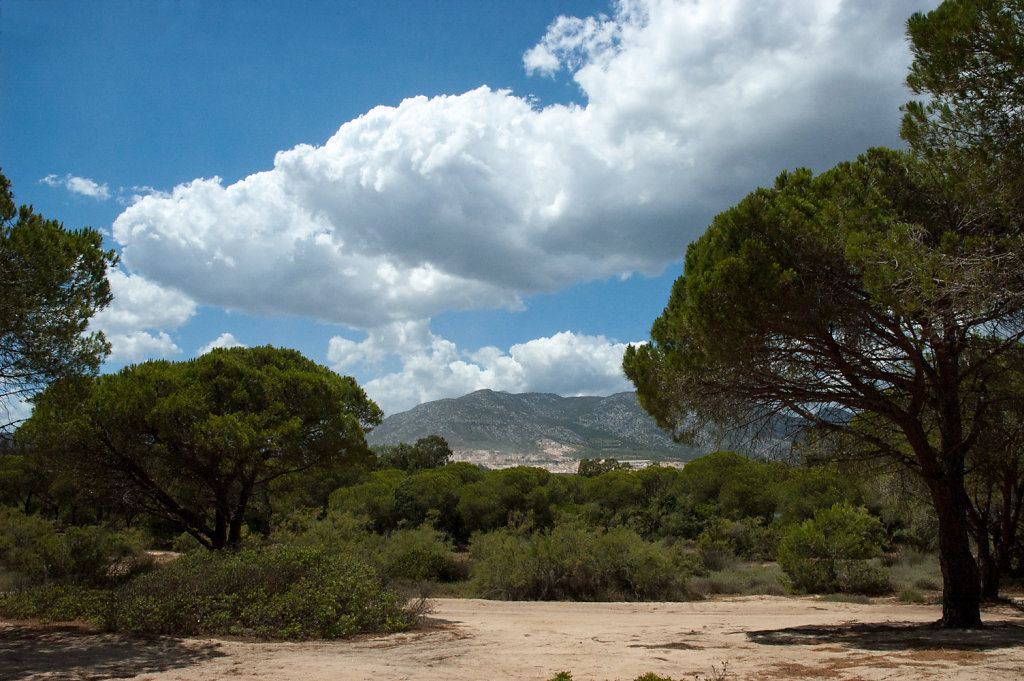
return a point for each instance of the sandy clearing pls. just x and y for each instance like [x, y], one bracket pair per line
[469, 640]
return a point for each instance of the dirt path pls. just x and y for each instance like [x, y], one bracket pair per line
[471, 640]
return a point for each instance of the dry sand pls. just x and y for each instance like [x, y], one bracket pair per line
[774, 638]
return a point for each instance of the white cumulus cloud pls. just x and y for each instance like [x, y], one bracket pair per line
[141, 304]
[79, 185]
[225, 340]
[433, 367]
[137, 319]
[477, 200]
[137, 346]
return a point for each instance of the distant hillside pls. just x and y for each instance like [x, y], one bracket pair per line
[532, 424]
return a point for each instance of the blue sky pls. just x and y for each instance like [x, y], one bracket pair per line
[434, 196]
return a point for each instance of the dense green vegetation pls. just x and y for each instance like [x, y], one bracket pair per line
[275, 592]
[715, 526]
[323, 537]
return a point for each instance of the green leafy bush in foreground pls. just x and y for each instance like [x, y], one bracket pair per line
[279, 592]
[59, 603]
[405, 555]
[576, 562]
[832, 552]
[39, 551]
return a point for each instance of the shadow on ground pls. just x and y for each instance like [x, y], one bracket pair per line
[897, 636]
[69, 652]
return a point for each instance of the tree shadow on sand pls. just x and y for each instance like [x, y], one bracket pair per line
[71, 652]
[896, 636]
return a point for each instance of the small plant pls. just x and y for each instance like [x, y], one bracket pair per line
[859, 599]
[561, 676]
[716, 673]
[742, 579]
[911, 595]
[186, 543]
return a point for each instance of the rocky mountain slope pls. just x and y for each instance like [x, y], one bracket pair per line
[535, 424]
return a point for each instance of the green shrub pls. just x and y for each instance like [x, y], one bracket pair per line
[415, 554]
[831, 552]
[740, 579]
[40, 552]
[867, 577]
[280, 592]
[338, 532]
[724, 540]
[911, 595]
[186, 543]
[575, 562]
[512, 496]
[30, 546]
[421, 554]
[806, 490]
[59, 603]
[373, 498]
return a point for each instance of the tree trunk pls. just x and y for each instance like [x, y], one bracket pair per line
[1009, 520]
[220, 530]
[988, 568]
[238, 516]
[235, 530]
[986, 540]
[961, 588]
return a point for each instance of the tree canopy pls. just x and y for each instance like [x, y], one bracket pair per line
[865, 290]
[428, 452]
[194, 442]
[52, 281]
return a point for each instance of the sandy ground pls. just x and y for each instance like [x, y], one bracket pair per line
[461, 640]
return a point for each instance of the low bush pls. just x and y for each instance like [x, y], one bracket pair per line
[416, 555]
[741, 579]
[833, 552]
[279, 592]
[911, 595]
[37, 551]
[725, 540]
[59, 603]
[576, 562]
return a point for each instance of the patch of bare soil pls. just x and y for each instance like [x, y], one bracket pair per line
[757, 638]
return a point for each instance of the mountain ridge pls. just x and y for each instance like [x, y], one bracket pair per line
[534, 425]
